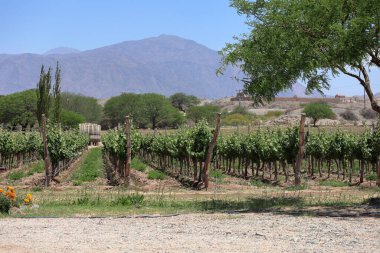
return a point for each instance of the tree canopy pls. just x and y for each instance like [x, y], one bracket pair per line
[305, 39]
[19, 108]
[318, 110]
[86, 106]
[182, 101]
[70, 119]
[146, 110]
[203, 112]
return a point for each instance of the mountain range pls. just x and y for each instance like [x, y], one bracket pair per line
[165, 64]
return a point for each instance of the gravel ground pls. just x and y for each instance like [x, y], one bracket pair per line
[191, 233]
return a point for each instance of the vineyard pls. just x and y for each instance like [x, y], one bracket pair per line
[267, 154]
[17, 148]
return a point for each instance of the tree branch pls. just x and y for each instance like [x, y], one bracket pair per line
[344, 71]
[368, 90]
[365, 83]
[374, 59]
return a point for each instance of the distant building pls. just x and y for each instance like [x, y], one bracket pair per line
[339, 96]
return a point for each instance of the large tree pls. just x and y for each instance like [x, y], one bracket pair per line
[146, 110]
[305, 39]
[319, 110]
[182, 101]
[19, 109]
[157, 111]
[86, 106]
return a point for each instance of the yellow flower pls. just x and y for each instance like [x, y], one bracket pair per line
[29, 196]
[26, 200]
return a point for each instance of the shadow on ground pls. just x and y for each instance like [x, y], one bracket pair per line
[292, 206]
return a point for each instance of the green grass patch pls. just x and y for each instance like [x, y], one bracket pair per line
[333, 183]
[155, 174]
[137, 164]
[296, 188]
[37, 168]
[134, 199]
[27, 171]
[36, 189]
[217, 175]
[371, 177]
[126, 203]
[90, 168]
[16, 175]
[258, 183]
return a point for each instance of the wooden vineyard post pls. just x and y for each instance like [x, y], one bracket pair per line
[210, 150]
[376, 130]
[128, 148]
[297, 169]
[378, 172]
[46, 155]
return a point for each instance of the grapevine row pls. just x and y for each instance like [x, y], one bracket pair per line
[267, 154]
[20, 147]
[17, 148]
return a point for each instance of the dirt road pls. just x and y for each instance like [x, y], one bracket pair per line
[191, 233]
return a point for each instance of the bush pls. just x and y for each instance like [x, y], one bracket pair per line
[349, 115]
[274, 114]
[9, 199]
[155, 174]
[368, 113]
[5, 204]
[236, 119]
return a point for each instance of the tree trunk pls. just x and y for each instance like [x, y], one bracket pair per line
[362, 165]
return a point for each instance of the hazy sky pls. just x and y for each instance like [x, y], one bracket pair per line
[35, 26]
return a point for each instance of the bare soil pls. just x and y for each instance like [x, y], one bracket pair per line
[191, 233]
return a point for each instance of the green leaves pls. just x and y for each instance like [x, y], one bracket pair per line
[18, 142]
[319, 110]
[302, 39]
[63, 145]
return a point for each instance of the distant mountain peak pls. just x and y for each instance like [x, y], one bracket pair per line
[298, 90]
[164, 64]
[62, 50]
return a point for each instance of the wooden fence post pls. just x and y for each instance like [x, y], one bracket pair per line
[46, 155]
[128, 148]
[210, 150]
[378, 172]
[297, 169]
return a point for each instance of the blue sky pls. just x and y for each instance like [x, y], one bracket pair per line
[35, 26]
